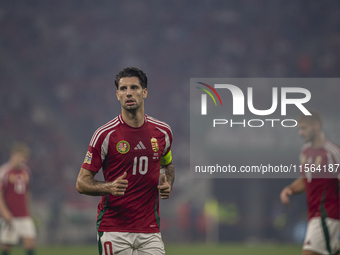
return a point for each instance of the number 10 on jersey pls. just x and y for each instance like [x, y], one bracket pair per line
[142, 165]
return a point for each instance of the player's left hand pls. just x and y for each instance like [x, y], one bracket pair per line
[285, 194]
[164, 188]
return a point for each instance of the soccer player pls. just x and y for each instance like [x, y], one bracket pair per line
[130, 149]
[14, 202]
[322, 193]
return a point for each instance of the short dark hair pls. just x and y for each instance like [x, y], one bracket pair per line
[315, 117]
[132, 72]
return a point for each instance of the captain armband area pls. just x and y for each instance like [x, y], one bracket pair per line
[166, 160]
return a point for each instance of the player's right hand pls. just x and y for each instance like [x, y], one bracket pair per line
[7, 216]
[285, 194]
[118, 186]
[164, 188]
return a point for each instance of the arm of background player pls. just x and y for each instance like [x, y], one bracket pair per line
[297, 186]
[5, 213]
[86, 184]
[28, 199]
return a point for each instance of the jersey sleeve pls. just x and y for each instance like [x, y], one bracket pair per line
[96, 152]
[336, 160]
[28, 176]
[166, 157]
[336, 156]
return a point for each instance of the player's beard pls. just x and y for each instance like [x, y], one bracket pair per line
[132, 108]
[310, 137]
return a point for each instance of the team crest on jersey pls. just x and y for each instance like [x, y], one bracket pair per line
[154, 144]
[123, 147]
[88, 158]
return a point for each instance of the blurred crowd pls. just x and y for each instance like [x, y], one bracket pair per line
[59, 59]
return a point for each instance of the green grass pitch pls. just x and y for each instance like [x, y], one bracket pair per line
[171, 249]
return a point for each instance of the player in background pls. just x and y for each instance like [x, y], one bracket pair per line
[322, 193]
[130, 149]
[14, 202]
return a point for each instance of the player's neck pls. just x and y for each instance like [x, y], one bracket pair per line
[14, 165]
[319, 141]
[133, 118]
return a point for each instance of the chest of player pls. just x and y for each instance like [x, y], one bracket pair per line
[136, 147]
[315, 157]
[16, 181]
[317, 163]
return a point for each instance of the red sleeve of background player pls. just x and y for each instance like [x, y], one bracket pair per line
[336, 160]
[336, 156]
[28, 176]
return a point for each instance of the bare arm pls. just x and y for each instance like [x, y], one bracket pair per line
[167, 180]
[28, 201]
[170, 173]
[86, 184]
[297, 186]
[5, 212]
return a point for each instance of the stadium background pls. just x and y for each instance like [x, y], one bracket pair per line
[58, 60]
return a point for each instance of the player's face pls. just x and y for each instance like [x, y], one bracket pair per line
[130, 93]
[18, 159]
[307, 131]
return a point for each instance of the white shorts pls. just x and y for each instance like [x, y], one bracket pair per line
[21, 227]
[125, 243]
[322, 236]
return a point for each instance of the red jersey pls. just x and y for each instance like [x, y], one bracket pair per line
[117, 148]
[322, 193]
[14, 185]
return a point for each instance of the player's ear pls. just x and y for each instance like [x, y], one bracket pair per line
[145, 93]
[117, 95]
[319, 125]
[316, 125]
